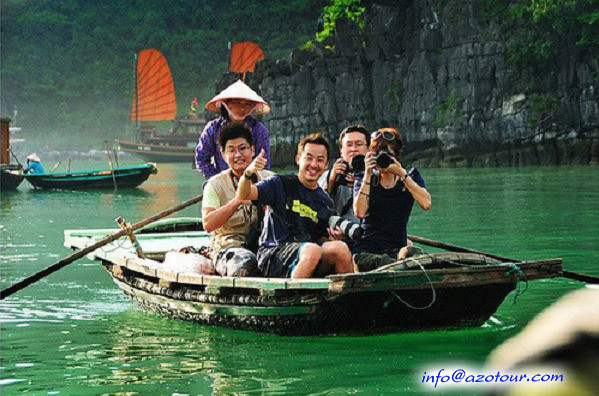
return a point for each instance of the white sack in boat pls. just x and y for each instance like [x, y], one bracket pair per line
[188, 262]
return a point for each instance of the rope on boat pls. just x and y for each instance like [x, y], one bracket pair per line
[521, 277]
[430, 282]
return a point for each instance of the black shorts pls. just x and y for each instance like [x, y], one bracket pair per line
[279, 261]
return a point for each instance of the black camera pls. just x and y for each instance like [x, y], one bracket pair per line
[383, 159]
[356, 165]
[350, 229]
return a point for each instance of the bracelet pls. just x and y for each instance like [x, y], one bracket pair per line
[363, 193]
[248, 177]
[367, 183]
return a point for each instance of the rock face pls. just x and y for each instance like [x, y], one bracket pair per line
[438, 74]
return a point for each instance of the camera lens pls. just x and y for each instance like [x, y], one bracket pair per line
[383, 160]
[357, 163]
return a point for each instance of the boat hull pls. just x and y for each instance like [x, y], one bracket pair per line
[159, 153]
[11, 177]
[431, 291]
[367, 312]
[94, 179]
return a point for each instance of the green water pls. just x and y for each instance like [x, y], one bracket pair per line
[75, 333]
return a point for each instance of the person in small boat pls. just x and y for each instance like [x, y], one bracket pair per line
[227, 218]
[34, 165]
[296, 241]
[383, 199]
[237, 103]
[338, 181]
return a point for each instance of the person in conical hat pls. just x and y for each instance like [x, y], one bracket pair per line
[236, 103]
[34, 164]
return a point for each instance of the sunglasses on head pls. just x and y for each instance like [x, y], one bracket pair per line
[389, 136]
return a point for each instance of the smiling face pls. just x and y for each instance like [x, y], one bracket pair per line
[312, 162]
[238, 154]
[353, 143]
[239, 108]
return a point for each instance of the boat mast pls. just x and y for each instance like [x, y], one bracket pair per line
[136, 95]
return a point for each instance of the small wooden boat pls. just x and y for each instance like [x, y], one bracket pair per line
[11, 176]
[430, 291]
[126, 177]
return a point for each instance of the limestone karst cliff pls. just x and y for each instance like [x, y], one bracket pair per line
[439, 71]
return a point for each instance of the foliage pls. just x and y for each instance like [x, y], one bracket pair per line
[541, 108]
[449, 111]
[538, 29]
[348, 9]
[69, 68]
[394, 95]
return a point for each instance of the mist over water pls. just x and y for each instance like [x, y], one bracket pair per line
[76, 333]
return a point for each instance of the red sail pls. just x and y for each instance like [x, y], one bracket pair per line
[244, 57]
[155, 92]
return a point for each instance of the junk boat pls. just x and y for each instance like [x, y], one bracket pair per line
[154, 100]
[11, 175]
[425, 292]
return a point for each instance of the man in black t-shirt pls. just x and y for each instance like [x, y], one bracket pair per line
[296, 241]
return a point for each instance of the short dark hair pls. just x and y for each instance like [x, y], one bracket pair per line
[315, 138]
[354, 128]
[234, 130]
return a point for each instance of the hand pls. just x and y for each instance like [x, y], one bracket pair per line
[339, 168]
[258, 164]
[395, 168]
[350, 179]
[335, 234]
[370, 162]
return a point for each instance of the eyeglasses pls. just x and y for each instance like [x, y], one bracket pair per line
[241, 150]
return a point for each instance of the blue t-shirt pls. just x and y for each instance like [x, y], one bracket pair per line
[385, 223]
[35, 167]
[301, 217]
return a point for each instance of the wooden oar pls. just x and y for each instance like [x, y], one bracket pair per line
[75, 256]
[111, 166]
[16, 159]
[453, 248]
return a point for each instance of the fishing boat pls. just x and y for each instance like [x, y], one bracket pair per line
[154, 100]
[11, 175]
[125, 177]
[430, 291]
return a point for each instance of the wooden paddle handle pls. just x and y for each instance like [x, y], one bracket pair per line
[127, 228]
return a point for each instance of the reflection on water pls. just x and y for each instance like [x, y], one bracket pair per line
[75, 333]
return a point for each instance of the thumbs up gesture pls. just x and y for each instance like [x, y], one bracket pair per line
[258, 164]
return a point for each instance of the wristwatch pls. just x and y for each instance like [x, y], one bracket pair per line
[404, 177]
[248, 175]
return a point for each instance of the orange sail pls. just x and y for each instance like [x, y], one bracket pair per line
[154, 98]
[244, 57]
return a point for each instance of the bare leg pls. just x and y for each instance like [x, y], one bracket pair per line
[309, 256]
[336, 255]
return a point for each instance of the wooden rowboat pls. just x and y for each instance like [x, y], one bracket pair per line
[431, 291]
[10, 176]
[127, 177]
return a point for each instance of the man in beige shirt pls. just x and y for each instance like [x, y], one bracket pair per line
[227, 218]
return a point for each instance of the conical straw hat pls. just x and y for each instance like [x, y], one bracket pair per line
[239, 90]
[33, 157]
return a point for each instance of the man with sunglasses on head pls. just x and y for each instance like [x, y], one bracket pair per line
[338, 181]
[383, 199]
[227, 218]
